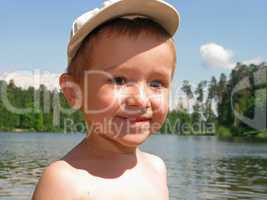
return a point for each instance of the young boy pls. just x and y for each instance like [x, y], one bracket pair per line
[121, 60]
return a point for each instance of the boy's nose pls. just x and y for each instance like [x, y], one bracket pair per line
[137, 97]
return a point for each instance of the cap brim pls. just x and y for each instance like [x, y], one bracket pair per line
[159, 11]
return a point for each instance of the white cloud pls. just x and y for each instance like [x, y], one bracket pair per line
[34, 78]
[255, 61]
[216, 56]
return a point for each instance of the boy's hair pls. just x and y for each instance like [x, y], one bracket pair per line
[118, 26]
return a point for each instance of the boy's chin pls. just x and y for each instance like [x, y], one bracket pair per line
[132, 139]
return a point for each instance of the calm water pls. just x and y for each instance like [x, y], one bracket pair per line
[198, 167]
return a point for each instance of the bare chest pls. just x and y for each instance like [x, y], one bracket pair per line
[126, 187]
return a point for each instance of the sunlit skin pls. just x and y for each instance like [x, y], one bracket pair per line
[126, 91]
[142, 75]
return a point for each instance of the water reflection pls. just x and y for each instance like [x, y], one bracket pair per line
[18, 175]
[205, 168]
[237, 178]
[198, 168]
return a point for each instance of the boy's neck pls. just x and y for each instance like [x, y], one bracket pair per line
[106, 147]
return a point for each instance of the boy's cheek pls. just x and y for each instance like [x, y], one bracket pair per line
[100, 103]
[160, 103]
[158, 120]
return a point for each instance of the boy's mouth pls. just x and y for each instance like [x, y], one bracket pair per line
[135, 119]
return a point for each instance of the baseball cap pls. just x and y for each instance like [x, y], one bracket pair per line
[157, 10]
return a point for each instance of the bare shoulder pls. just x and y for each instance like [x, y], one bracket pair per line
[160, 168]
[57, 182]
[157, 163]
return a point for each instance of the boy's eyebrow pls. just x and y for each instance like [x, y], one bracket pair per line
[156, 72]
[161, 72]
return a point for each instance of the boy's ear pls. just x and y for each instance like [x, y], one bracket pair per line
[71, 90]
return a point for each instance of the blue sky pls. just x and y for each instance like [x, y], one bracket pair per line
[34, 35]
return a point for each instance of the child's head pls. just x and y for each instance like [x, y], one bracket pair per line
[124, 67]
[118, 27]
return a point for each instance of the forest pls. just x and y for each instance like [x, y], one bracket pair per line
[233, 106]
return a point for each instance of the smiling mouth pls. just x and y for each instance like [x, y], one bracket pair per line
[135, 119]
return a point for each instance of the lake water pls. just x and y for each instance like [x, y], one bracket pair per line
[199, 168]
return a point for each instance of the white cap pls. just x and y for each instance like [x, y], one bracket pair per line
[157, 10]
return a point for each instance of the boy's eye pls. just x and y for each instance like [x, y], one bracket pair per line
[119, 80]
[156, 84]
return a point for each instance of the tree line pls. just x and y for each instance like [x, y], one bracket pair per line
[225, 107]
[35, 110]
[230, 106]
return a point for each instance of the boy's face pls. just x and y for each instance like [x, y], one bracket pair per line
[127, 86]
